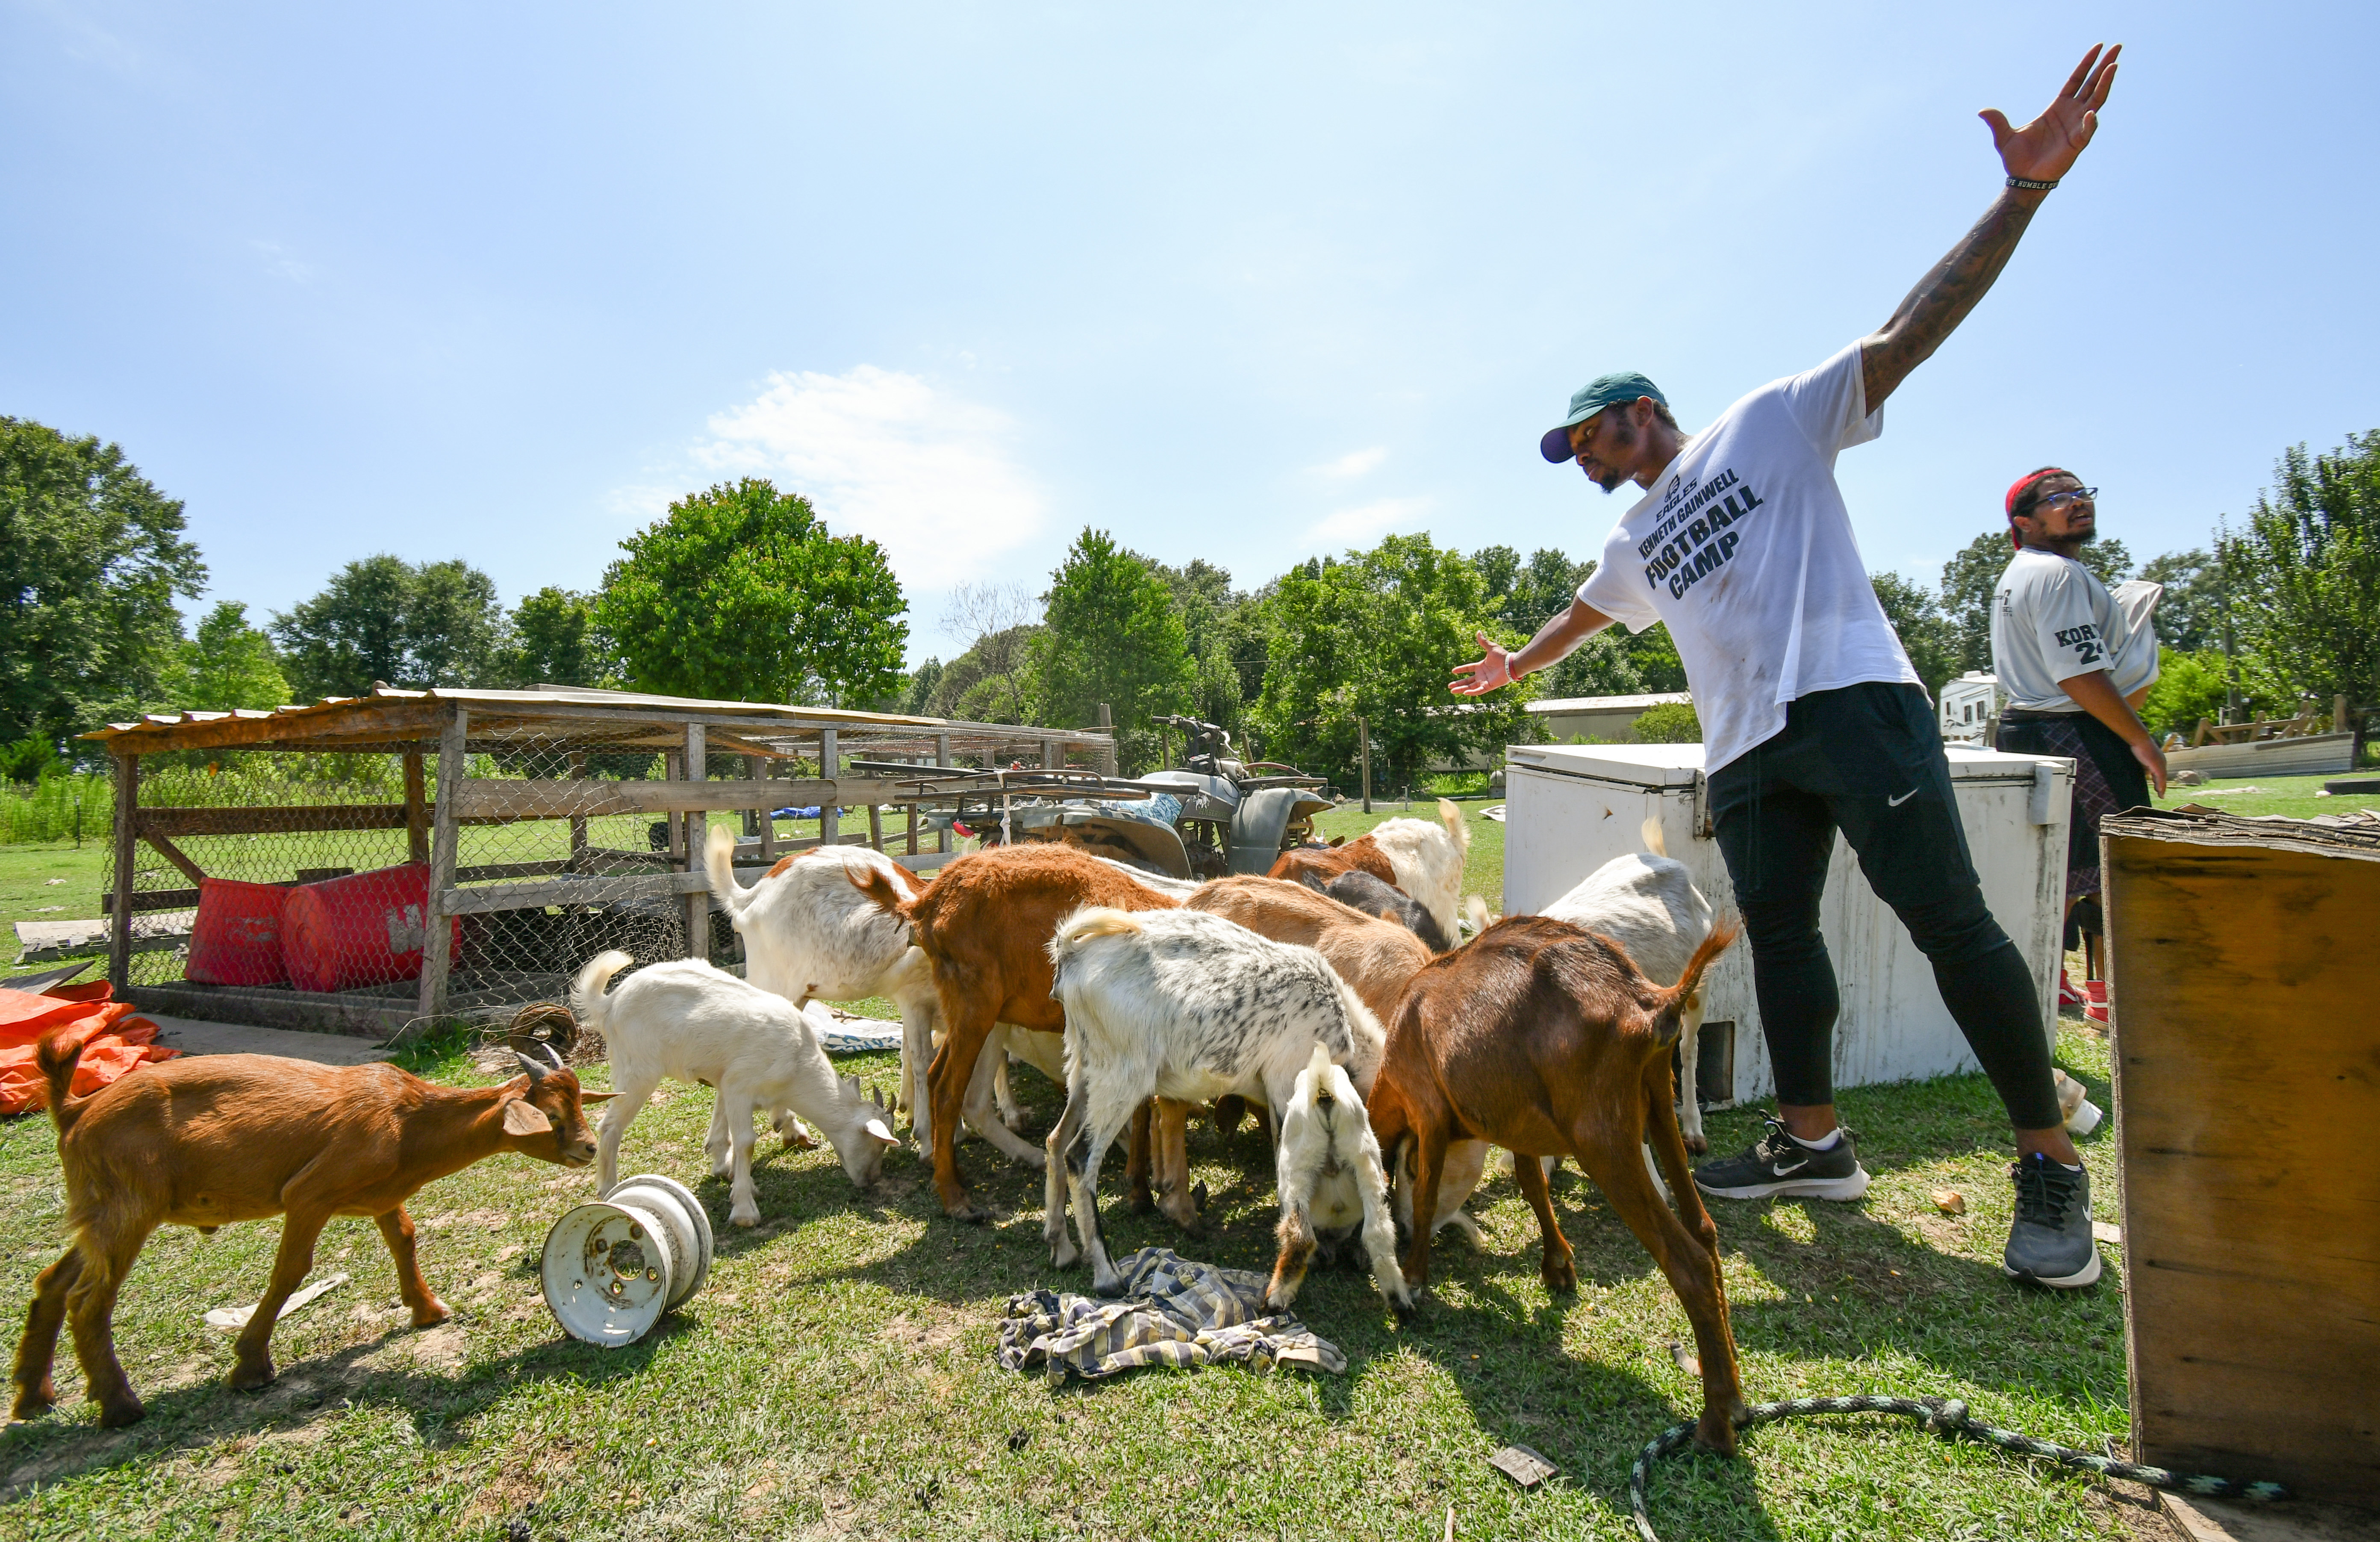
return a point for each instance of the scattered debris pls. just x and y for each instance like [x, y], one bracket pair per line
[1949, 1202]
[1686, 1360]
[1497, 814]
[2106, 1231]
[1019, 1438]
[1449, 1523]
[236, 1318]
[1522, 1465]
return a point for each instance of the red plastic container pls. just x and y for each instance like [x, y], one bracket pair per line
[363, 929]
[237, 937]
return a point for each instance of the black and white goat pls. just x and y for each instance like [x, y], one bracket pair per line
[1333, 1183]
[689, 1021]
[1187, 1005]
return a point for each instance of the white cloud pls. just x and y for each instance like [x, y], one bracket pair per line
[885, 455]
[278, 262]
[1353, 464]
[1368, 522]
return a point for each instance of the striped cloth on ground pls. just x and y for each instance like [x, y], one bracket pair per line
[1172, 1312]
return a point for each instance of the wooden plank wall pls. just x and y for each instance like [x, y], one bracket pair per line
[2248, 1090]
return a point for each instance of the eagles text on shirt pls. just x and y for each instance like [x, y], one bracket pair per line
[1693, 539]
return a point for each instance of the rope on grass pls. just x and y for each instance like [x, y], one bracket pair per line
[1948, 1418]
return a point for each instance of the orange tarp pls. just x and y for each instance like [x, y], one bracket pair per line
[116, 1040]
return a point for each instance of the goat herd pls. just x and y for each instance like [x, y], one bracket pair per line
[1386, 1060]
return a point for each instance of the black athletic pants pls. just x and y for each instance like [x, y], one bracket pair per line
[1867, 760]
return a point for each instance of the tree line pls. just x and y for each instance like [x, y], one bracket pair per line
[740, 591]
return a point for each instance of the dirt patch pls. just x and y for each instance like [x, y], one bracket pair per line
[935, 1332]
[469, 1221]
[508, 1491]
[445, 1348]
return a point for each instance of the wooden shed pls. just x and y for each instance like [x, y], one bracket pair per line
[457, 851]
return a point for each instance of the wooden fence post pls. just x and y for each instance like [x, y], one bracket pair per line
[1364, 739]
[829, 815]
[697, 834]
[942, 757]
[446, 833]
[578, 822]
[768, 768]
[416, 810]
[119, 929]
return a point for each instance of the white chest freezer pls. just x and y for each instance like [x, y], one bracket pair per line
[1573, 808]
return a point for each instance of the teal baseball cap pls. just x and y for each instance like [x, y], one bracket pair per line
[1590, 399]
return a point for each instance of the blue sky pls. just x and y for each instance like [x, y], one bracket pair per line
[1247, 286]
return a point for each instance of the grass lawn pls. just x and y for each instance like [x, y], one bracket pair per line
[835, 1377]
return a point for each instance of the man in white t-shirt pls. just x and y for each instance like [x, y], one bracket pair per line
[1813, 721]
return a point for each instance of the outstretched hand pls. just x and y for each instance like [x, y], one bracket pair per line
[1491, 672]
[2043, 149]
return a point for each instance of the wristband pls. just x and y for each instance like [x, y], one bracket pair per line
[2030, 185]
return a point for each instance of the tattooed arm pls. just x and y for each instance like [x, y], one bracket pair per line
[2042, 151]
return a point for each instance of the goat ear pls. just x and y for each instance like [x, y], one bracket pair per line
[597, 1096]
[876, 1128]
[525, 1118]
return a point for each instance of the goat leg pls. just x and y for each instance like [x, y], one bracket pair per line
[90, 1310]
[1053, 1185]
[1689, 1102]
[1380, 1227]
[946, 1085]
[982, 1111]
[1608, 1149]
[36, 1393]
[1296, 1234]
[1084, 1180]
[1139, 1160]
[1170, 1138]
[744, 1208]
[252, 1355]
[396, 1230]
[1428, 1162]
[1669, 1146]
[1559, 1273]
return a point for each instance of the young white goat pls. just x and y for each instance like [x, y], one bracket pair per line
[1190, 1006]
[691, 1022]
[1332, 1183]
[811, 935]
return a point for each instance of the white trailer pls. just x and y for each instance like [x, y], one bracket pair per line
[1573, 808]
[1969, 704]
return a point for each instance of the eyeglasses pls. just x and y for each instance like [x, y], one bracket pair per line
[2062, 500]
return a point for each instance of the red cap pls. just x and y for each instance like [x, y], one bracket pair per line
[2016, 490]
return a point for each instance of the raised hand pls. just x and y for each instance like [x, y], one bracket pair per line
[1489, 673]
[2043, 149]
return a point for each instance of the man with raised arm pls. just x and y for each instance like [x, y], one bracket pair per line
[1813, 721]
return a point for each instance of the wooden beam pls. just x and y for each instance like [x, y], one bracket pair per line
[830, 807]
[157, 899]
[383, 720]
[271, 821]
[698, 832]
[570, 890]
[437, 945]
[127, 809]
[578, 822]
[174, 854]
[417, 811]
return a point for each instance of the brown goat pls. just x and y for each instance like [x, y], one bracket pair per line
[985, 926]
[1315, 865]
[1544, 1038]
[209, 1140]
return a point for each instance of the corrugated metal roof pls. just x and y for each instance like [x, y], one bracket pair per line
[1610, 703]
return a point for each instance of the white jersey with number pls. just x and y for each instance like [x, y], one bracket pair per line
[2052, 619]
[1743, 546]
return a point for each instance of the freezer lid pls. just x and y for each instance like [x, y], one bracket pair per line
[1660, 766]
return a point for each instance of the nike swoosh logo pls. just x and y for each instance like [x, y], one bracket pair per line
[1786, 1169]
[1896, 802]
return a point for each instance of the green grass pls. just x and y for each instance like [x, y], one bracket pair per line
[835, 1375]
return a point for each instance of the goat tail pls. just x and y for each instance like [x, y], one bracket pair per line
[719, 865]
[872, 882]
[1669, 1006]
[58, 1057]
[1475, 909]
[1456, 830]
[1651, 832]
[1092, 920]
[589, 1002]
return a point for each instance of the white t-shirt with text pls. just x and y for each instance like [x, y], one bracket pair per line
[1745, 547]
[2052, 619]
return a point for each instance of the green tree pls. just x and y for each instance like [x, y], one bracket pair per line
[917, 694]
[91, 556]
[228, 665]
[382, 618]
[991, 681]
[1971, 578]
[1376, 636]
[1113, 635]
[741, 594]
[1925, 634]
[2189, 686]
[1213, 636]
[2189, 613]
[552, 639]
[1671, 723]
[2308, 566]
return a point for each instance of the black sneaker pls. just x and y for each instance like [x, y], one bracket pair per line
[1777, 1164]
[2050, 1243]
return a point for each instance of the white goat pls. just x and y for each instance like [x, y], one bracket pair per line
[690, 1020]
[1428, 859]
[811, 935]
[1332, 1183]
[1190, 1006]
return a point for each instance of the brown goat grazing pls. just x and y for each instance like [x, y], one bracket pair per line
[1375, 955]
[1315, 865]
[209, 1140]
[985, 926]
[1544, 1038]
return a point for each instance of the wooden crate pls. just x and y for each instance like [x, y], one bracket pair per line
[2244, 962]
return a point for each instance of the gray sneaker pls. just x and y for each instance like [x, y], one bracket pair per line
[2050, 1243]
[1777, 1164]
